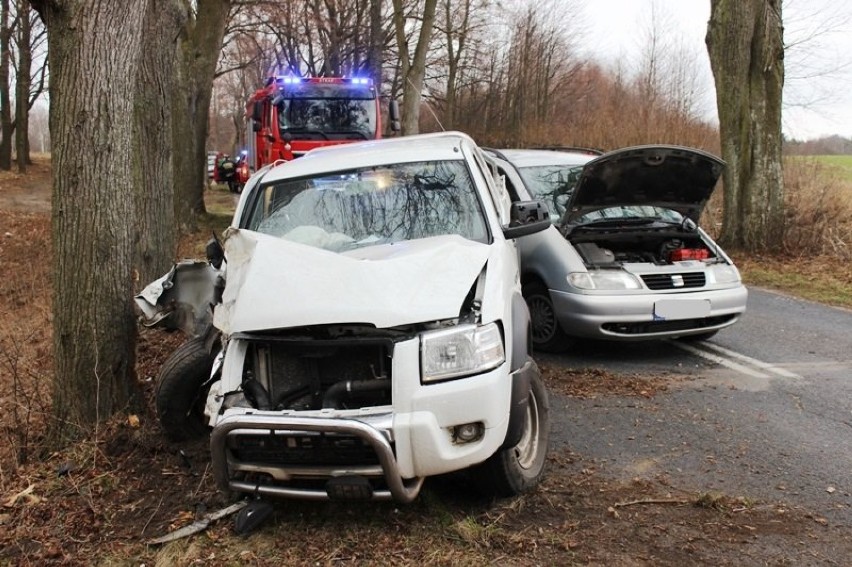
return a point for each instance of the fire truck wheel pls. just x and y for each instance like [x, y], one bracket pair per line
[180, 392]
[519, 469]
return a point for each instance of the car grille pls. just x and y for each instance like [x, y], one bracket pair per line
[322, 449]
[647, 327]
[674, 281]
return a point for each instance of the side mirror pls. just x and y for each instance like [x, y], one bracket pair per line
[255, 125]
[257, 112]
[394, 116]
[215, 252]
[526, 217]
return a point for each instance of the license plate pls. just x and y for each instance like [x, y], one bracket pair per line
[681, 309]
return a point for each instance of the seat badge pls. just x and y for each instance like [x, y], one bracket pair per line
[677, 280]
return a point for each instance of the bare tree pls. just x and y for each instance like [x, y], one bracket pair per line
[153, 156]
[7, 26]
[745, 43]
[22, 85]
[198, 53]
[93, 81]
[413, 69]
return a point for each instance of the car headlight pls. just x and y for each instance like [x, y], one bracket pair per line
[604, 279]
[725, 273]
[460, 351]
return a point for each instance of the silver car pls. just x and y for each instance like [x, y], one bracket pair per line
[625, 258]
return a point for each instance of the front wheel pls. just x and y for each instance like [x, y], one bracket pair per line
[181, 394]
[547, 334]
[519, 469]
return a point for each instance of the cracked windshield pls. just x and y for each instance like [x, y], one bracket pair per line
[371, 206]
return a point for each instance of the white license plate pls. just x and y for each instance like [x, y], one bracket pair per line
[681, 308]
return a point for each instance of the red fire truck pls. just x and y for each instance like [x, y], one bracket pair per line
[292, 115]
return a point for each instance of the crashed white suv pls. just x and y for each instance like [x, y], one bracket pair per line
[370, 332]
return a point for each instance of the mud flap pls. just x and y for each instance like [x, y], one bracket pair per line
[520, 399]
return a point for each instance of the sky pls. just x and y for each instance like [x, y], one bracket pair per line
[818, 33]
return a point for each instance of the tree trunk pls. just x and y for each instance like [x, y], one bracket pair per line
[745, 43]
[377, 43]
[198, 53]
[92, 85]
[22, 87]
[5, 98]
[413, 69]
[155, 234]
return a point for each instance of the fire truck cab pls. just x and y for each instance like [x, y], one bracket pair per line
[292, 115]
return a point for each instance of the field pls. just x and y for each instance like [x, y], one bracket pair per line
[842, 163]
[102, 500]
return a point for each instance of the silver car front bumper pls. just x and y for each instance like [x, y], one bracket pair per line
[600, 316]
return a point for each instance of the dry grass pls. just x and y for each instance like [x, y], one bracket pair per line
[819, 210]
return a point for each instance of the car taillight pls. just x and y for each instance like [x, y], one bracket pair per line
[680, 254]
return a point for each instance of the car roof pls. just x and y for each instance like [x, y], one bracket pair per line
[532, 158]
[438, 146]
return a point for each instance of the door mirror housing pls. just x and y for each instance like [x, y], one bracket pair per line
[526, 217]
[215, 252]
[394, 116]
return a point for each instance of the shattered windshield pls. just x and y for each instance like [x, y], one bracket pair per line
[371, 206]
[552, 184]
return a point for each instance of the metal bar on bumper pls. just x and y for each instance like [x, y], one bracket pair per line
[400, 490]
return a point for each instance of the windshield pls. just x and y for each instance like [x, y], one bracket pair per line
[328, 112]
[371, 206]
[552, 184]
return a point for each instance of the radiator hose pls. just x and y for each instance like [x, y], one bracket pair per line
[333, 396]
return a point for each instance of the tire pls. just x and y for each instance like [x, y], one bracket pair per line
[547, 334]
[519, 469]
[180, 396]
[699, 337]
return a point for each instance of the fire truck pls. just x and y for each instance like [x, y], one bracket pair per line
[291, 115]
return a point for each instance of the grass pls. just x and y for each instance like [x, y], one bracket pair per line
[839, 164]
[822, 279]
[842, 163]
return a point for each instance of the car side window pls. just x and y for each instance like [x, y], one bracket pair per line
[496, 186]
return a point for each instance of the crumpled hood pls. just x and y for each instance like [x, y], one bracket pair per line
[672, 177]
[273, 283]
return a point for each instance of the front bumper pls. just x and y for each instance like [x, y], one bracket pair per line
[631, 316]
[304, 454]
[223, 464]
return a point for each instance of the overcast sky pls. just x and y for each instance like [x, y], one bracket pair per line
[818, 89]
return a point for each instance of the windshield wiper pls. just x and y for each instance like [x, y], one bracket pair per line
[350, 132]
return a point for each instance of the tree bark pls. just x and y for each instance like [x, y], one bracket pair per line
[5, 97]
[413, 69]
[22, 86]
[92, 85]
[198, 53]
[745, 43]
[155, 235]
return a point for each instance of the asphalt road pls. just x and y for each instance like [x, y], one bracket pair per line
[764, 411]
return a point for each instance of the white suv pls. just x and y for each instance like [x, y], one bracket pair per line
[370, 331]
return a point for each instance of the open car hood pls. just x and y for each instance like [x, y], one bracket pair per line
[672, 177]
[274, 284]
